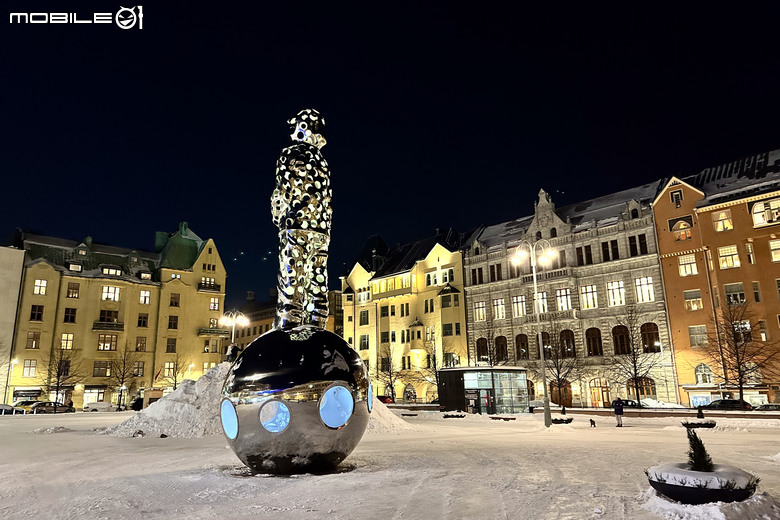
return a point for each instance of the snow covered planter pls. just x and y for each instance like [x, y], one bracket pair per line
[709, 423]
[699, 481]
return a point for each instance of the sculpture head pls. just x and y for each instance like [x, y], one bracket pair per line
[307, 126]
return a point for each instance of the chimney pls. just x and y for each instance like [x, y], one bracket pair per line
[88, 242]
[250, 296]
[183, 227]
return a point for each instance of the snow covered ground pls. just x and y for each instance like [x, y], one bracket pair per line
[426, 468]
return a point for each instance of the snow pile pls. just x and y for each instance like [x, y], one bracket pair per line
[652, 403]
[759, 506]
[192, 410]
[382, 420]
[49, 431]
[775, 458]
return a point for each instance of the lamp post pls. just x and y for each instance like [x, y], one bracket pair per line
[231, 319]
[528, 248]
[119, 404]
[8, 380]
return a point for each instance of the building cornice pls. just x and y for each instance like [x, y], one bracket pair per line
[737, 202]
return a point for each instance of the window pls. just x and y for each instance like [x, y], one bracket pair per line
[70, 315]
[735, 293]
[107, 316]
[499, 309]
[448, 275]
[610, 250]
[173, 322]
[687, 265]
[589, 298]
[107, 341]
[208, 366]
[681, 231]
[40, 287]
[446, 329]
[621, 340]
[676, 197]
[501, 350]
[762, 331]
[349, 319]
[750, 253]
[392, 310]
[567, 344]
[364, 317]
[756, 292]
[138, 368]
[644, 289]
[482, 350]
[638, 245]
[36, 313]
[146, 276]
[364, 296]
[593, 342]
[75, 267]
[101, 369]
[476, 276]
[169, 369]
[384, 311]
[145, 296]
[430, 278]
[349, 297]
[33, 339]
[650, 339]
[175, 299]
[697, 335]
[429, 305]
[495, 273]
[73, 290]
[766, 212]
[616, 294]
[114, 271]
[446, 301]
[450, 359]
[540, 299]
[384, 337]
[30, 365]
[110, 293]
[170, 346]
[66, 341]
[143, 320]
[384, 364]
[214, 304]
[457, 329]
[721, 220]
[518, 306]
[742, 332]
[140, 344]
[704, 375]
[728, 257]
[563, 299]
[430, 334]
[521, 346]
[364, 342]
[479, 311]
[774, 250]
[692, 300]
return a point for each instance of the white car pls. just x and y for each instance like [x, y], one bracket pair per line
[99, 406]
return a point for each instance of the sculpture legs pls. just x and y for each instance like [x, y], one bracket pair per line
[303, 279]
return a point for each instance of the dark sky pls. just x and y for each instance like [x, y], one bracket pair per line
[438, 115]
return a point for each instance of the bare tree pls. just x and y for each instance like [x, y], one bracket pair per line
[61, 370]
[123, 369]
[487, 349]
[173, 371]
[560, 358]
[428, 372]
[736, 347]
[387, 371]
[634, 357]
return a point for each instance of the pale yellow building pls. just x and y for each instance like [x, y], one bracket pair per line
[403, 312]
[94, 300]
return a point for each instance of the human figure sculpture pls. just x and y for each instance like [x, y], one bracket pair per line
[300, 206]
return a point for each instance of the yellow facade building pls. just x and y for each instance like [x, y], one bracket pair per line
[403, 312]
[93, 318]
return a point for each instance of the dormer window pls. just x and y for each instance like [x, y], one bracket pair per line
[82, 252]
[146, 276]
[676, 196]
[74, 267]
[113, 271]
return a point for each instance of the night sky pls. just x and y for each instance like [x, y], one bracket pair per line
[437, 115]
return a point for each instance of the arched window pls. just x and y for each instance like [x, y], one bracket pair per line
[682, 230]
[546, 343]
[538, 235]
[599, 392]
[501, 350]
[521, 346]
[650, 339]
[593, 342]
[553, 233]
[621, 340]
[531, 390]
[567, 344]
[644, 385]
[410, 394]
[704, 375]
[482, 350]
[634, 213]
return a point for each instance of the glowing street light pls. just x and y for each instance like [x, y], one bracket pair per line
[546, 255]
[231, 319]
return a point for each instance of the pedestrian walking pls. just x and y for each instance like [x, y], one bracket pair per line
[617, 404]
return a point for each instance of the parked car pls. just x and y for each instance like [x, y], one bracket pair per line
[385, 399]
[728, 404]
[630, 403]
[24, 405]
[771, 407]
[99, 406]
[50, 407]
[7, 409]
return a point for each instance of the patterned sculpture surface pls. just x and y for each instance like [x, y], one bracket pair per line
[300, 206]
[298, 397]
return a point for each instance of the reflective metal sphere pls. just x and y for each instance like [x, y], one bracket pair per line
[295, 401]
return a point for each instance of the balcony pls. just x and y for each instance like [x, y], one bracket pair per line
[213, 331]
[209, 287]
[108, 325]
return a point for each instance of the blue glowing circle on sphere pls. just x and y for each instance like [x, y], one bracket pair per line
[370, 396]
[229, 419]
[336, 406]
[274, 416]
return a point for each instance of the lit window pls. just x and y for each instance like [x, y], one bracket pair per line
[728, 257]
[735, 293]
[479, 311]
[540, 299]
[774, 249]
[692, 300]
[448, 275]
[518, 306]
[175, 299]
[112, 271]
[687, 265]
[616, 294]
[146, 276]
[138, 368]
[75, 267]
[140, 344]
[499, 309]
[66, 341]
[40, 287]
[214, 304]
[145, 296]
[644, 289]
[430, 278]
[110, 293]
[107, 341]
[721, 220]
[30, 366]
[589, 298]
[169, 369]
[682, 230]
[704, 375]
[697, 335]
[73, 290]
[33, 339]
[766, 212]
[364, 342]
[563, 299]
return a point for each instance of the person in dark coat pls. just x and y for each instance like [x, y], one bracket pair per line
[617, 404]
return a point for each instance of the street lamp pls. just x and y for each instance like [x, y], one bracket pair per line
[527, 248]
[231, 319]
[119, 404]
